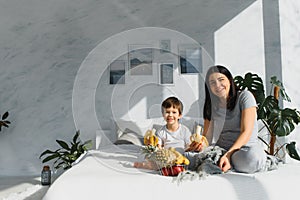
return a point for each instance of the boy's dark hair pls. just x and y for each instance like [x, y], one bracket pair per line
[172, 102]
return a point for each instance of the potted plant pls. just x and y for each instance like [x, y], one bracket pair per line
[66, 155]
[280, 122]
[3, 121]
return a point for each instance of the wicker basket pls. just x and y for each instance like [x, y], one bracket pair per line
[172, 170]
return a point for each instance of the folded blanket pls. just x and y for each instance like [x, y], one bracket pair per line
[205, 163]
[202, 164]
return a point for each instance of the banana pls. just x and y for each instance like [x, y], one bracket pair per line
[180, 159]
[198, 138]
[150, 138]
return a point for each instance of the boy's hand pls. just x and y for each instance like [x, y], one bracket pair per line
[195, 146]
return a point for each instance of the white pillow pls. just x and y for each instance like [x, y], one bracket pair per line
[139, 127]
[129, 137]
[134, 131]
[157, 127]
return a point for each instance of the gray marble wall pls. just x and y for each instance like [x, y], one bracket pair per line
[44, 43]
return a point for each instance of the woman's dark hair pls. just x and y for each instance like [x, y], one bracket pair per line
[212, 100]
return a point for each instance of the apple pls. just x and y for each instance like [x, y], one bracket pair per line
[165, 171]
[176, 169]
[172, 171]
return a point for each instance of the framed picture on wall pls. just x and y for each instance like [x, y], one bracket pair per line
[190, 59]
[166, 73]
[117, 72]
[140, 59]
[165, 46]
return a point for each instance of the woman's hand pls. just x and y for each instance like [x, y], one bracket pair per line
[224, 162]
[195, 146]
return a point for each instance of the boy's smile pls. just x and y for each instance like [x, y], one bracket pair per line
[171, 116]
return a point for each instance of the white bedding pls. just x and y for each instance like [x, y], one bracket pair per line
[107, 173]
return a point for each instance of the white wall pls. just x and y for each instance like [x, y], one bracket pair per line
[239, 44]
[290, 49]
[140, 94]
[44, 43]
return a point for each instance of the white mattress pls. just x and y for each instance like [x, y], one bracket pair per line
[108, 173]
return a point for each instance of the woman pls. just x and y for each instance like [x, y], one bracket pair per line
[230, 122]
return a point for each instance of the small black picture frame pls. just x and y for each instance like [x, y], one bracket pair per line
[117, 72]
[165, 46]
[190, 59]
[140, 60]
[166, 73]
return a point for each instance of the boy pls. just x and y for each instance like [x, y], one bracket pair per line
[173, 134]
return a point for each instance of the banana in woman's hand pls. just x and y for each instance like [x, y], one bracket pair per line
[198, 140]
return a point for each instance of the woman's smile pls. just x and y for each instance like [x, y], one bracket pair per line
[219, 85]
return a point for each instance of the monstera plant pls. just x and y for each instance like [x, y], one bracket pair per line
[67, 154]
[280, 122]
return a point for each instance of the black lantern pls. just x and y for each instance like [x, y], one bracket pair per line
[46, 175]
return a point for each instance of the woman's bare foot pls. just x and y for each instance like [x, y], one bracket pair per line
[137, 164]
[144, 165]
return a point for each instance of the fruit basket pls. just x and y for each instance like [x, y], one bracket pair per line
[173, 170]
[168, 162]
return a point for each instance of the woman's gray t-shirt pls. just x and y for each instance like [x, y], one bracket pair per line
[227, 124]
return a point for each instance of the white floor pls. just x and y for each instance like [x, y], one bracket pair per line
[21, 188]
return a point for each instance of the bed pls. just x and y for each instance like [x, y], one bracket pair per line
[108, 173]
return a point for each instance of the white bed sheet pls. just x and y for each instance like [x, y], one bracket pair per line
[107, 173]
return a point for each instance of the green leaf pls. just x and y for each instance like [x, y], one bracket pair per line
[67, 167]
[88, 144]
[282, 122]
[266, 107]
[56, 155]
[4, 124]
[76, 136]
[73, 157]
[59, 165]
[292, 151]
[67, 154]
[63, 144]
[47, 152]
[5, 115]
[254, 84]
[80, 148]
[74, 147]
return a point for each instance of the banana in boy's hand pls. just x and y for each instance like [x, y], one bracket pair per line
[150, 138]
